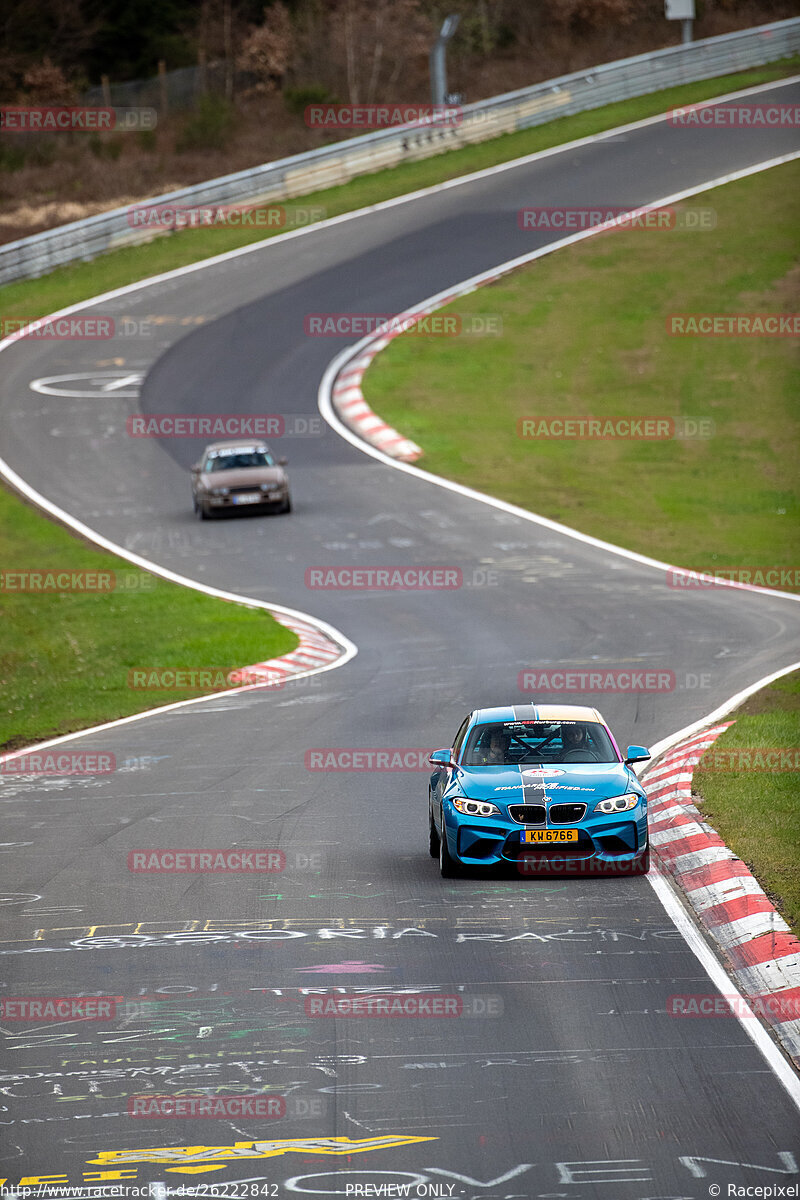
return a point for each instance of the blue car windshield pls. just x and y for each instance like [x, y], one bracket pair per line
[506, 743]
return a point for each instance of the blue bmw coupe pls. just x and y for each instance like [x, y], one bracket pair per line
[540, 786]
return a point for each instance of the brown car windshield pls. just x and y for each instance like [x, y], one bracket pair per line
[239, 461]
[506, 743]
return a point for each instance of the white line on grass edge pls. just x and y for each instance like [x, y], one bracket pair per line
[382, 205]
[661, 885]
[673, 901]
[663, 890]
[325, 400]
[349, 648]
[749, 1022]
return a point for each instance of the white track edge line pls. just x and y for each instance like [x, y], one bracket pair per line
[329, 413]
[670, 899]
[349, 648]
[663, 888]
[722, 711]
[37, 747]
[659, 884]
[393, 201]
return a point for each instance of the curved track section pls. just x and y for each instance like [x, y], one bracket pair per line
[571, 1080]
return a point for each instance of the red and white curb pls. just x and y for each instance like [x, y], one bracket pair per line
[315, 650]
[349, 402]
[761, 952]
[322, 647]
[347, 397]
[342, 404]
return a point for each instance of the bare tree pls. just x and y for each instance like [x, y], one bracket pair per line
[377, 39]
[267, 51]
[45, 83]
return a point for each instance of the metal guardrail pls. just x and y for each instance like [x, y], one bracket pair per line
[335, 164]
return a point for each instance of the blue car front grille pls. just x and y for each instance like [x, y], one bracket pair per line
[566, 814]
[527, 814]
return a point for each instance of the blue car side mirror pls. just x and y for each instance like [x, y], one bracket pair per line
[441, 758]
[636, 754]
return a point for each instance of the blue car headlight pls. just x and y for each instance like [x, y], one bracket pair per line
[475, 808]
[618, 804]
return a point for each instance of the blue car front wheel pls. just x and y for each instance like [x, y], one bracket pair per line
[433, 836]
[641, 864]
[448, 867]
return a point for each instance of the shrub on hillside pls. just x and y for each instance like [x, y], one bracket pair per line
[209, 126]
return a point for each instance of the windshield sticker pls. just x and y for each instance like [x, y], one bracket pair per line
[550, 787]
[235, 450]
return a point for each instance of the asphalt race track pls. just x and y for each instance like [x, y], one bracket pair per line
[570, 1079]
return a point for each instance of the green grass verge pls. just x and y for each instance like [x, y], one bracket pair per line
[72, 671]
[69, 285]
[65, 658]
[584, 333]
[756, 811]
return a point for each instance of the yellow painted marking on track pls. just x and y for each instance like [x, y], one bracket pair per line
[262, 1149]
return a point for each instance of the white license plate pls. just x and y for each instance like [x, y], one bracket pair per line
[247, 498]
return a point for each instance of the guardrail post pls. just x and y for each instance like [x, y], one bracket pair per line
[438, 62]
[163, 91]
[577, 92]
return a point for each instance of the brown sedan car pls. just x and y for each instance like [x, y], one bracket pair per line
[243, 474]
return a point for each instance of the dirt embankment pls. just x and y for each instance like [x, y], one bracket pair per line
[47, 180]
